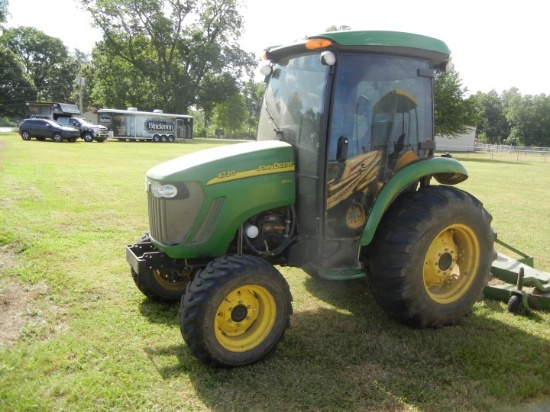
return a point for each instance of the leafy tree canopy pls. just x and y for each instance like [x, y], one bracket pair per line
[253, 94]
[453, 112]
[16, 87]
[167, 54]
[231, 114]
[492, 126]
[511, 118]
[3, 10]
[45, 60]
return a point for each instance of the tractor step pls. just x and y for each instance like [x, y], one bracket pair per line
[341, 274]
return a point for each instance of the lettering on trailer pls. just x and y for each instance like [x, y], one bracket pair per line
[159, 125]
[104, 119]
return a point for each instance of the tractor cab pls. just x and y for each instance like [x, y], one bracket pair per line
[354, 115]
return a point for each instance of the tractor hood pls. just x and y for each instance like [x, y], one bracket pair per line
[227, 163]
[197, 202]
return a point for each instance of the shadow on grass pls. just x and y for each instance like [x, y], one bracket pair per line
[155, 312]
[352, 356]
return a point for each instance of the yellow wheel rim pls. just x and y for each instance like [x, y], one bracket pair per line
[171, 279]
[451, 263]
[355, 216]
[244, 318]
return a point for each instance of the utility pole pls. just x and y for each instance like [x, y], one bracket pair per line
[81, 81]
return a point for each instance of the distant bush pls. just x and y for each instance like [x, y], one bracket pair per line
[6, 122]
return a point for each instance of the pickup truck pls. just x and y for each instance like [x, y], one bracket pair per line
[88, 131]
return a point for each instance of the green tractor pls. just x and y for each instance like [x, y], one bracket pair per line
[341, 182]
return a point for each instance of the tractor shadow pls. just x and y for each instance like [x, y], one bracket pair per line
[342, 352]
[162, 313]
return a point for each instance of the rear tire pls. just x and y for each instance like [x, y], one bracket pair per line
[235, 311]
[25, 135]
[163, 285]
[431, 257]
[57, 138]
[88, 137]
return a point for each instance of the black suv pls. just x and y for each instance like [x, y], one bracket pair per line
[88, 131]
[44, 128]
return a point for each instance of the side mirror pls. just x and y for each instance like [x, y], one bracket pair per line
[342, 149]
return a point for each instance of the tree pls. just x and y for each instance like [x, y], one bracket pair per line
[3, 10]
[119, 85]
[492, 126]
[46, 62]
[167, 54]
[15, 85]
[213, 90]
[529, 118]
[253, 94]
[453, 112]
[231, 114]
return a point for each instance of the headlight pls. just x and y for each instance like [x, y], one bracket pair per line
[166, 191]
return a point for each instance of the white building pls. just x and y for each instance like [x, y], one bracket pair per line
[459, 143]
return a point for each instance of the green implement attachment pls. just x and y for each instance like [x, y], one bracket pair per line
[518, 283]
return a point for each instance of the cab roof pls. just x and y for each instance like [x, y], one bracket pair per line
[384, 42]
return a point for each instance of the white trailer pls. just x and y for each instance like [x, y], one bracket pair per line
[157, 126]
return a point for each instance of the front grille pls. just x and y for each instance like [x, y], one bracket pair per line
[171, 219]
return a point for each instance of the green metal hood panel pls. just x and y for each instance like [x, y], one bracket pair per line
[238, 181]
[205, 165]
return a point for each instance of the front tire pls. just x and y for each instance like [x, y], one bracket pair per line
[431, 257]
[235, 311]
[57, 137]
[88, 137]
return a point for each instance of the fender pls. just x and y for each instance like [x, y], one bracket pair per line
[446, 171]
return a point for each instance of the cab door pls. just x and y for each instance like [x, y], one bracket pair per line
[382, 108]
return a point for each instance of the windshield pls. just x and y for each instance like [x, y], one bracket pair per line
[85, 123]
[293, 102]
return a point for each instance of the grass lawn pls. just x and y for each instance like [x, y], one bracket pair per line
[76, 334]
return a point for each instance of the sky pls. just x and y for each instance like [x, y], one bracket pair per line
[495, 44]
